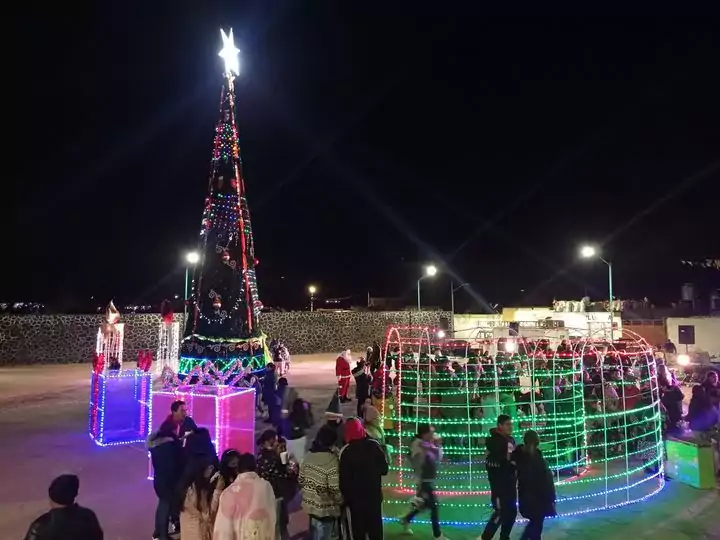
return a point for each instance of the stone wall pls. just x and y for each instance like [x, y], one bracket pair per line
[35, 339]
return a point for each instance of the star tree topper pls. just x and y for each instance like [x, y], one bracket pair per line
[230, 54]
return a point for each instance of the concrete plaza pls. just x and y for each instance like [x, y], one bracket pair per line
[44, 425]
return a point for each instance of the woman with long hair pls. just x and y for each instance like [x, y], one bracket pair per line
[536, 489]
[200, 504]
[299, 421]
[229, 469]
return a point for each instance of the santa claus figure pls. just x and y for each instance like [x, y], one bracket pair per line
[343, 372]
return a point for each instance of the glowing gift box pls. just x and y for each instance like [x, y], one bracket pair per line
[228, 413]
[119, 410]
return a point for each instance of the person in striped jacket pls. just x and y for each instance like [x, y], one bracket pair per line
[320, 481]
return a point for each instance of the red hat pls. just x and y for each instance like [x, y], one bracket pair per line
[354, 430]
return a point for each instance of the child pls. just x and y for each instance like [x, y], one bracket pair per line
[425, 454]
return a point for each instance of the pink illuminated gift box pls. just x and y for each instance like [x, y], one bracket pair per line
[228, 412]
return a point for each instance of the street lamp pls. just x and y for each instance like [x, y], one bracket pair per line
[430, 271]
[589, 252]
[312, 289]
[191, 258]
[453, 290]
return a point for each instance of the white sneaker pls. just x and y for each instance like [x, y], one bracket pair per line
[407, 531]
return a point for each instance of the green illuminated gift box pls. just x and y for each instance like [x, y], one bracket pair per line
[690, 463]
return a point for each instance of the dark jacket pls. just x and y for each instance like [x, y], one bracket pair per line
[298, 423]
[362, 383]
[362, 466]
[166, 454]
[339, 429]
[672, 401]
[501, 471]
[270, 467]
[536, 489]
[68, 523]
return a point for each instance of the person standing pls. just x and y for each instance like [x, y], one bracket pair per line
[166, 453]
[536, 489]
[199, 503]
[247, 509]
[362, 384]
[320, 482]
[343, 373]
[179, 415]
[268, 389]
[298, 422]
[334, 419]
[425, 454]
[502, 476]
[66, 518]
[362, 466]
[274, 466]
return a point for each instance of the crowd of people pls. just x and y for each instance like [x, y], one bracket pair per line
[337, 479]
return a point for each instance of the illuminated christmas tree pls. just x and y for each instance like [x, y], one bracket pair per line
[222, 326]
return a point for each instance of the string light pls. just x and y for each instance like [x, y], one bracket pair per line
[119, 409]
[167, 352]
[595, 452]
[228, 412]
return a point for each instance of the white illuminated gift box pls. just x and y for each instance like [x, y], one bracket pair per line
[168, 354]
[228, 412]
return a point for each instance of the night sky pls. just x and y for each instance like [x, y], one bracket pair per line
[373, 142]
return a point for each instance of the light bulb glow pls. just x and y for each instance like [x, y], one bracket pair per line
[683, 359]
[588, 252]
[430, 270]
[229, 54]
[312, 289]
[193, 257]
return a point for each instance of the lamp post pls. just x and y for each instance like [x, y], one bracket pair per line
[453, 290]
[589, 252]
[312, 289]
[430, 271]
[191, 258]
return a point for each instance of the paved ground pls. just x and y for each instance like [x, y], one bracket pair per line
[44, 425]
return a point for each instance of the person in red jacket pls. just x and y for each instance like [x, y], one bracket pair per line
[343, 372]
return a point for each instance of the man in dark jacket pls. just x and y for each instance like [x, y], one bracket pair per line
[362, 384]
[503, 479]
[362, 466]
[166, 453]
[66, 519]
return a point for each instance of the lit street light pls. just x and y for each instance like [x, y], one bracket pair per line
[430, 271]
[191, 258]
[589, 252]
[312, 289]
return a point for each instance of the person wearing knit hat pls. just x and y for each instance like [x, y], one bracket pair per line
[373, 424]
[66, 519]
[362, 466]
[334, 418]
